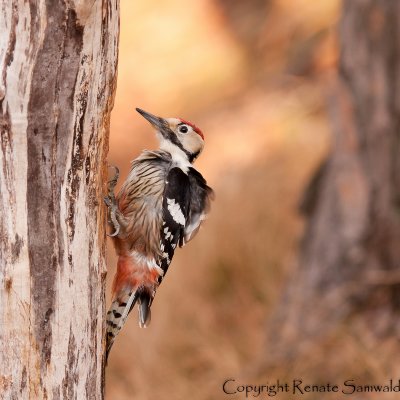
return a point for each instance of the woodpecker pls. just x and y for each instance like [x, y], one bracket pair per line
[160, 206]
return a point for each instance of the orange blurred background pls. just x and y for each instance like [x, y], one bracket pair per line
[254, 76]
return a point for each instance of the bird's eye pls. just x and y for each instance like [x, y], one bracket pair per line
[183, 129]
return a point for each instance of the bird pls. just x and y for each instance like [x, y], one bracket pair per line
[160, 206]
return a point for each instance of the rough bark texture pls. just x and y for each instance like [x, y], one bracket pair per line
[57, 81]
[349, 263]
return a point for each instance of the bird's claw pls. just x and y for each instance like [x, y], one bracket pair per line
[114, 234]
[113, 211]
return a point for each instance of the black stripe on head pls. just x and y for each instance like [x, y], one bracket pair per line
[170, 135]
[193, 156]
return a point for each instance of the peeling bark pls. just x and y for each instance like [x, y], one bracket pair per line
[58, 65]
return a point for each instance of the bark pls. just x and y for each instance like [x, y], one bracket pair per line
[57, 81]
[350, 254]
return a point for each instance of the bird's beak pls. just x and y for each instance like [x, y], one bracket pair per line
[157, 122]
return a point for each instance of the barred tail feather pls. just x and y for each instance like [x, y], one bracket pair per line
[116, 316]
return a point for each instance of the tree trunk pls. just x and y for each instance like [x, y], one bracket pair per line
[350, 256]
[57, 81]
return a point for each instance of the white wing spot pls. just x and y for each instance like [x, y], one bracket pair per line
[167, 233]
[166, 257]
[175, 211]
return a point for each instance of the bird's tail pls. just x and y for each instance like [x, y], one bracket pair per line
[145, 300]
[120, 309]
[117, 314]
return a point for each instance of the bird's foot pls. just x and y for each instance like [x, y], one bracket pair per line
[113, 213]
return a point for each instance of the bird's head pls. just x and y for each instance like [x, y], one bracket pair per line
[176, 135]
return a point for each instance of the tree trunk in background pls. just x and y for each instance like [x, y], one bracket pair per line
[57, 81]
[350, 255]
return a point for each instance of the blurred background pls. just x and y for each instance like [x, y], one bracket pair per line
[255, 76]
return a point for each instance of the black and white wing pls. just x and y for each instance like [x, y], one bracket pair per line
[200, 202]
[186, 202]
[176, 203]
